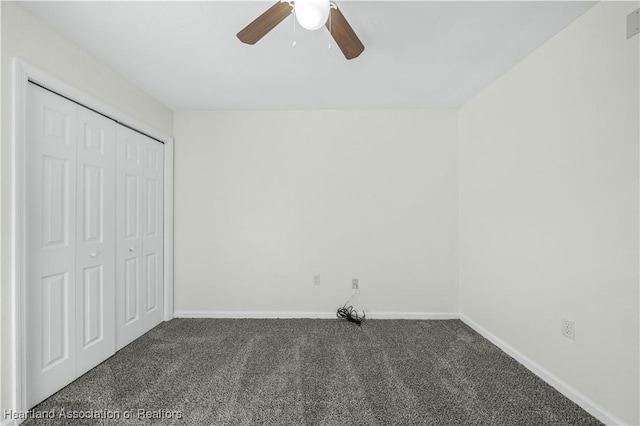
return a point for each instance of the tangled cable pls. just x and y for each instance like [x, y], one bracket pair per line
[350, 314]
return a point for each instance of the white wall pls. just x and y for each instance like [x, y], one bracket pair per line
[549, 208]
[266, 200]
[27, 38]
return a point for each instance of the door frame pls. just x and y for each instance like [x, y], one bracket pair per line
[22, 74]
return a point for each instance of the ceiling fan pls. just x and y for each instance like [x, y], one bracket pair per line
[311, 15]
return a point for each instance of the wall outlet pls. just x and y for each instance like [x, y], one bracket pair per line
[316, 280]
[569, 329]
[355, 284]
[633, 23]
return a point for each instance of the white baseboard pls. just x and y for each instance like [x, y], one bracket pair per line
[585, 403]
[413, 315]
[250, 315]
[317, 315]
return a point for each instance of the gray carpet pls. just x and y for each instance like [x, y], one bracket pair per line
[313, 372]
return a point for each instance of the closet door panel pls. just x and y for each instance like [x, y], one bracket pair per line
[153, 239]
[130, 210]
[95, 246]
[50, 243]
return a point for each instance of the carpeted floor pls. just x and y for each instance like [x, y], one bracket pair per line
[311, 372]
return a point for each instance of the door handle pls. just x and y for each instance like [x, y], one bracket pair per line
[132, 248]
[95, 254]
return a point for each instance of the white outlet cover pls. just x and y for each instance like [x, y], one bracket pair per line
[633, 23]
[569, 329]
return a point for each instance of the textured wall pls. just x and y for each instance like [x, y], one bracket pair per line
[267, 200]
[549, 208]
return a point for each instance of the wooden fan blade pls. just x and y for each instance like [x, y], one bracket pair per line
[343, 34]
[265, 23]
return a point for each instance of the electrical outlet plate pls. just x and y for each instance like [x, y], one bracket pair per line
[355, 284]
[316, 280]
[633, 23]
[569, 329]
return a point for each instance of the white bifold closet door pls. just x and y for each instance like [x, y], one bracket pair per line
[70, 242]
[140, 236]
[93, 240]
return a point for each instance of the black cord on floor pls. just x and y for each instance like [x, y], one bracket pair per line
[350, 314]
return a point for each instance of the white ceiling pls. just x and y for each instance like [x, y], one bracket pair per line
[418, 54]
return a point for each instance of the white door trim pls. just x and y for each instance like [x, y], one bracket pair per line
[22, 74]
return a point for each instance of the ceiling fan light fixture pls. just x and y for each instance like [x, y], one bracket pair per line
[312, 14]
